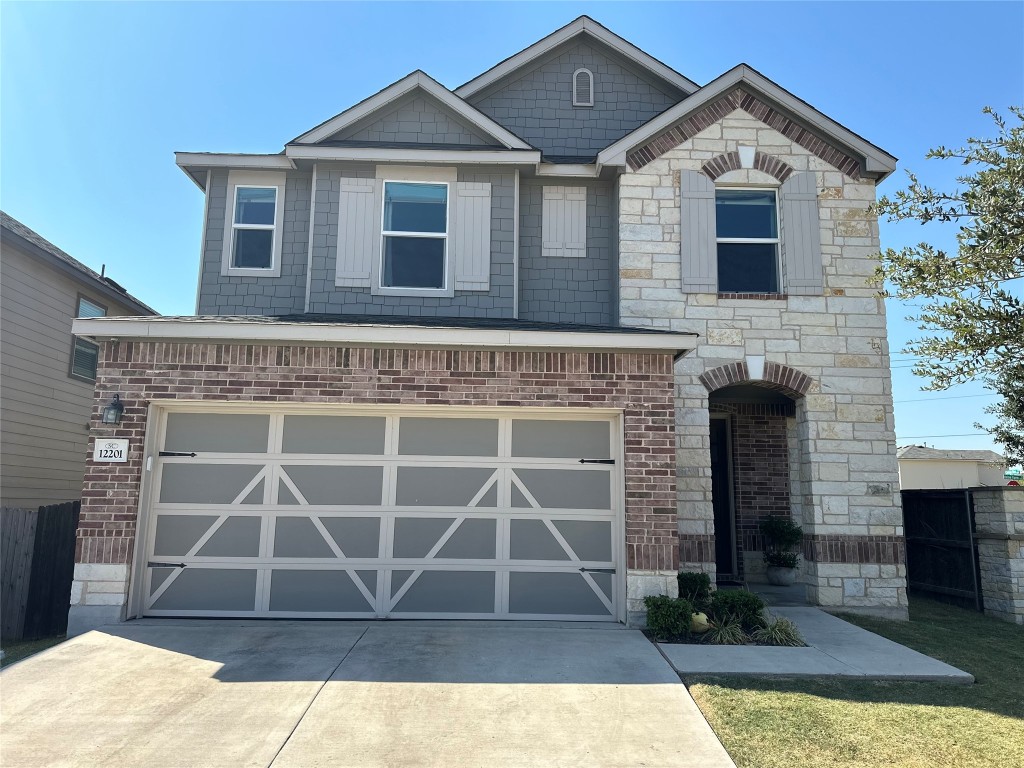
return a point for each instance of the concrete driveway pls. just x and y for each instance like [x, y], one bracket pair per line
[290, 694]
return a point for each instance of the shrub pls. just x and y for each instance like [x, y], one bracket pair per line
[737, 605]
[779, 632]
[668, 618]
[695, 587]
[782, 536]
[727, 632]
[782, 559]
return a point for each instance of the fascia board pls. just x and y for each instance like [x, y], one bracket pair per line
[432, 156]
[396, 91]
[380, 335]
[568, 170]
[195, 162]
[556, 38]
[876, 159]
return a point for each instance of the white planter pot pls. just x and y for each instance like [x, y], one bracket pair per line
[781, 577]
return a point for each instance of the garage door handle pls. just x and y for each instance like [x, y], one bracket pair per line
[151, 564]
[597, 570]
[176, 453]
[597, 461]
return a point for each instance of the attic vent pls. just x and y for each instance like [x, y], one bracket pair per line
[583, 88]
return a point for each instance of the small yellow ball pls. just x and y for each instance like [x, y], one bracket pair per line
[699, 623]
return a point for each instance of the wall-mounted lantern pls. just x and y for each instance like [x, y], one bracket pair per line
[112, 413]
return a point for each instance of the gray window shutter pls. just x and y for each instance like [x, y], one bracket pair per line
[359, 220]
[699, 250]
[801, 236]
[564, 222]
[469, 235]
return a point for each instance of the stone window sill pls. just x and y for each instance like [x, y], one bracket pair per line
[754, 296]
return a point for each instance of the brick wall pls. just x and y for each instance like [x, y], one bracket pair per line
[150, 372]
[761, 467]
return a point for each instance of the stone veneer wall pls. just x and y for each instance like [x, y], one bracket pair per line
[999, 531]
[149, 372]
[845, 486]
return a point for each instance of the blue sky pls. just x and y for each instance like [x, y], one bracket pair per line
[96, 97]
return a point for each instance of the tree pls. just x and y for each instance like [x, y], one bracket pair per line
[973, 314]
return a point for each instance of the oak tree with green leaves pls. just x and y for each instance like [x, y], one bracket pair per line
[973, 313]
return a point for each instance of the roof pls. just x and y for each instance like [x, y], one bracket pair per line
[374, 330]
[920, 452]
[34, 243]
[584, 25]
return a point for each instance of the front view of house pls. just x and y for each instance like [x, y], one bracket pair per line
[519, 350]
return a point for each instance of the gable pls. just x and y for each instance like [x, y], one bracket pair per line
[414, 119]
[536, 104]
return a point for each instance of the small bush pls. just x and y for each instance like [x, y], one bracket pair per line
[726, 632]
[782, 631]
[782, 559]
[782, 536]
[668, 618]
[695, 587]
[738, 605]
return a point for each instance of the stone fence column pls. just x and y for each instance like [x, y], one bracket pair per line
[999, 530]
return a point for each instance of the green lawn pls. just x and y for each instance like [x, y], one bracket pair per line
[797, 723]
[16, 651]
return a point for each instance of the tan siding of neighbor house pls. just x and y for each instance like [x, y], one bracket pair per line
[44, 413]
[926, 474]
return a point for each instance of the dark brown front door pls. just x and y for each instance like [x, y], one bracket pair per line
[721, 498]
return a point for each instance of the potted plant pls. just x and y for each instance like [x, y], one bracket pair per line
[782, 537]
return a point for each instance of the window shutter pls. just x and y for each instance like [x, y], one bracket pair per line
[564, 222]
[359, 221]
[469, 235]
[699, 249]
[801, 236]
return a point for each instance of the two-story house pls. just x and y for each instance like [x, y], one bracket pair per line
[522, 349]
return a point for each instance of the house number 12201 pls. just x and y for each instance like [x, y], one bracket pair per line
[110, 451]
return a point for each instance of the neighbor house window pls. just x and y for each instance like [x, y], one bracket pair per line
[747, 226]
[84, 354]
[253, 228]
[415, 235]
[583, 88]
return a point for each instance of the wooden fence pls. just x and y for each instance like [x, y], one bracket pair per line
[942, 553]
[37, 565]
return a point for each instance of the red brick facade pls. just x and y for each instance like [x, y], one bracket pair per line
[641, 385]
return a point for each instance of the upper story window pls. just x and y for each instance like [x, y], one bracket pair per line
[747, 229]
[583, 88]
[84, 354]
[254, 223]
[415, 234]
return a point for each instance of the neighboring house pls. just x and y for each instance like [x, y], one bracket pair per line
[922, 467]
[48, 374]
[521, 349]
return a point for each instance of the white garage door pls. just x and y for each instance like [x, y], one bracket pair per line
[390, 514]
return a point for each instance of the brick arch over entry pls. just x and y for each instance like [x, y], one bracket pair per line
[730, 161]
[779, 377]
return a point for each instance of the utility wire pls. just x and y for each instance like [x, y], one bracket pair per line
[951, 397]
[963, 434]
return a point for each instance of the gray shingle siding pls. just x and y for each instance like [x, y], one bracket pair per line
[325, 297]
[567, 289]
[234, 295]
[537, 105]
[417, 120]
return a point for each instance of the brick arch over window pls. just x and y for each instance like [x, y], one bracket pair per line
[730, 161]
[778, 377]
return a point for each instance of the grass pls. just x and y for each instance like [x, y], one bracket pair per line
[22, 649]
[799, 723]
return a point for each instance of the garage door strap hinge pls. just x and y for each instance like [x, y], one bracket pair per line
[597, 461]
[597, 570]
[151, 564]
[176, 453]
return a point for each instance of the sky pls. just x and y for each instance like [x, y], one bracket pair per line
[96, 97]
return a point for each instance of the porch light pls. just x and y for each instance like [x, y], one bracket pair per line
[112, 413]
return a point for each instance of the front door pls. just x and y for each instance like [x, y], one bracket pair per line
[721, 499]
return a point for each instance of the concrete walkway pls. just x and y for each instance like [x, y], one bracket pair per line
[836, 648]
[298, 694]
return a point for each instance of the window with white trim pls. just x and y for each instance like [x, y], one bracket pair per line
[747, 235]
[414, 252]
[252, 236]
[84, 354]
[583, 88]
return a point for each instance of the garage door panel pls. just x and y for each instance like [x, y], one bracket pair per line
[298, 537]
[553, 594]
[590, 540]
[208, 589]
[176, 535]
[448, 437]
[356, 536]
[206, 483]
[217, 432]
[474, 539]
[537, 438]
[334, 434]
[440, 486]
[235, 537]
[324, 484]
[317, 591]
[565, 488]
[456, 592]
[532, 540]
